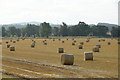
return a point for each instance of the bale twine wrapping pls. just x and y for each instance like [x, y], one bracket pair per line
[8, 45]
[80, 47]
[12, 48]
[60, 50]
[88, 56]
[99, 46]
[95, 49]
[67, 59]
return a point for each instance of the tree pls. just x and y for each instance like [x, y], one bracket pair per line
[115, 32]
[23, 32]
[99, 30]
[63, 30]
[55, 31]
[3, 32]
[81, 29]
[12, 31]
[18, 32]
[31, 30]
[45, 29]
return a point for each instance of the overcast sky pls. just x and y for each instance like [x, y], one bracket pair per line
[58, 11]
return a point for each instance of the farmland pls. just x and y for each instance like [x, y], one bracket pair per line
[44, 61]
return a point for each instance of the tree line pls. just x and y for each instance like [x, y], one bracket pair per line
[45, 30]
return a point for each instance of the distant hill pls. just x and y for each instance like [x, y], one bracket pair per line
[108, 25]
[23, 24]
[16, 25]
[20, 25]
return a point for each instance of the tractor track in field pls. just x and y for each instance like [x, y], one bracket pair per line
[27, 69]
[37, 71]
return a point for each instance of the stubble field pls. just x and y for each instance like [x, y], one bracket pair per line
[44, 61]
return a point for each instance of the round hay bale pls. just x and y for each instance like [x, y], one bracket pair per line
[10, 40]
[73, 43]
[17, 40]
[32, 45]
[95, 49]
[118, 42]
[80, 47]
[99, 40]
[109, 43]
[33, 41]
[14, 41]
[118, 39]
[7, 42]
[67, 39]
[99, 46]
[62, 41]
[82, 43]
[67, 59]
[8, 45]
[23, 38]
[60, 50]
[88, 56]
[53, 39]
[103, 39]
[45, 43]
[59, 39]
[87, 40]
[12, 48]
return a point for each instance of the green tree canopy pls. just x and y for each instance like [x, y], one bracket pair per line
[63, 30]
[31, 30]
[115, 31]
[45, 29]
[12, 31]
[4, 33]
[81, 29]
[99, 30]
